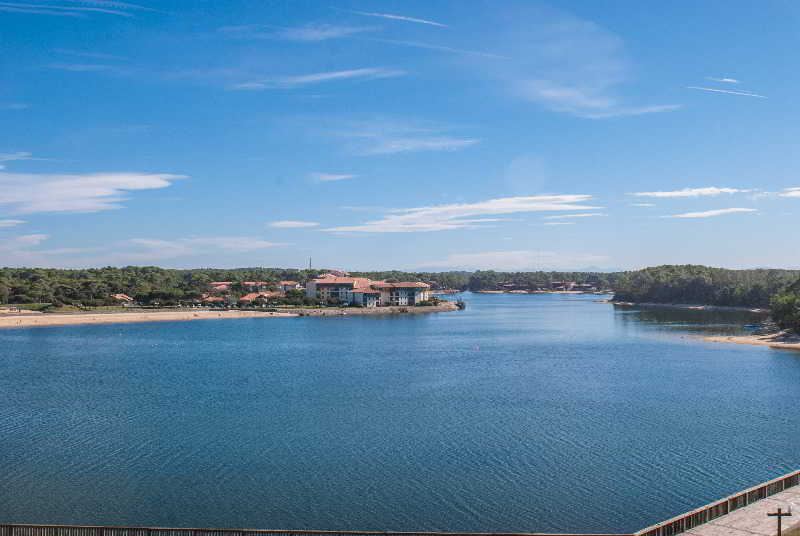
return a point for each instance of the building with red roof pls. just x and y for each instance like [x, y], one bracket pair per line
[365, 292]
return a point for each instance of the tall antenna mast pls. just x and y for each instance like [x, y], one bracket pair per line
[309, 263]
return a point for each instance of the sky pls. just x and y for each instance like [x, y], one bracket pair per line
[413, 135]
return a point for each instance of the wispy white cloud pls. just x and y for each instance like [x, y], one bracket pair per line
[790, 192]
[288, 82]
[643, 204]
[309, 32]
[567, 216]
[399, 17]
[728, 91]
[22, 242]
[559, 223]
[378, 137]
[14, 106]
[5, 224]
[80, 67]
[332, 177]
[113, 4]
[725, 79]
[517, 260]
[25, 250]
[66, 11]
[583, 102]
[10, 157]
[624, 112]
[292, 224]
[440, 48]
[692, 192]
[88, 54]
[567, 65]
[47, 193]
[464, 215]
[199, 245]
[711, 213]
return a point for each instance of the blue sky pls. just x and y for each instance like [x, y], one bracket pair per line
[411, 135]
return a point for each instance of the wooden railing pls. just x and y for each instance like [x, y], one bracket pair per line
[76, 530]
[670, 527]
[704, 514]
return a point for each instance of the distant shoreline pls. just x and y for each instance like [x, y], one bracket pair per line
[694, 307]
[539, 292]
[29, 319]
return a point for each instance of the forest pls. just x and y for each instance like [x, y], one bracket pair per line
[693, 284]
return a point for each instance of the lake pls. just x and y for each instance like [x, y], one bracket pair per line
[521, 413]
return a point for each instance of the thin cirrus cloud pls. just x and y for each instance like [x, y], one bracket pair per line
[332, 177]
[11, 157]
[88, 54]
[569, 216]
[712, 213]
[14, 106]
[562, 63]
[691, 192]
[120, 9]
[440, 48]
[6, 224]
[93, 192]
[289, 82]
[24, 250]
[403, 18]
[728, 91]
[384, 137]
[292, 224]
[465, 215]
[198, 245]
[80, 67]
[724, 79]
[307, 33]
[643, 204]
[516, 260]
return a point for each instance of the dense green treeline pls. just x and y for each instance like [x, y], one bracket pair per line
[147, 284]
[703, 285]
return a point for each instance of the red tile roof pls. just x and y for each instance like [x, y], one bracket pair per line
[414, 284]
[255, 295]
[355, 282]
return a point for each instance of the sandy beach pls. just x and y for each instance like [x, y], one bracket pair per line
[29, 319]
[782, 340]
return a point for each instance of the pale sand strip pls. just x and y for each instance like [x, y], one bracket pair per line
[774, 340]
[55, 319]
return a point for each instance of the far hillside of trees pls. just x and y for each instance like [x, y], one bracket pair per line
[703, 285]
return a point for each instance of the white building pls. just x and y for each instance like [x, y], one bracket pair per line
[367, 293]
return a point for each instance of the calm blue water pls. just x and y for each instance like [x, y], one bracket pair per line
[522, 413]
